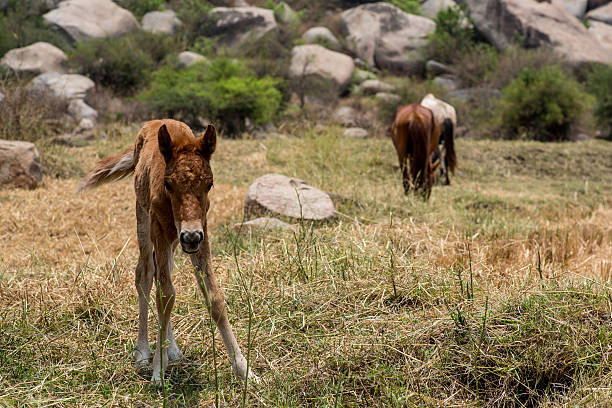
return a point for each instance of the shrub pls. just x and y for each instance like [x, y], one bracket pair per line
[542, 104]
[28, 115]
[224, 91]
[21, 24]
[409, 6]
[599, 83]
[141, 7]
[453, 36]
[123, 64]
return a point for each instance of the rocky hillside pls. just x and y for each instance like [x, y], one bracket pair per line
[252, 66]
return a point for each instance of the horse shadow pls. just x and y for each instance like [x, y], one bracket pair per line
[184, 379]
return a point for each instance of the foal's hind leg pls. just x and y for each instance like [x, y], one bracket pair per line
[144, 281]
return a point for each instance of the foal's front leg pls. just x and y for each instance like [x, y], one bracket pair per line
[165, 296]
[205, 273]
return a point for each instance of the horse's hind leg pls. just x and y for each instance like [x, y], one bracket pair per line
[144, 281]
[445, 169]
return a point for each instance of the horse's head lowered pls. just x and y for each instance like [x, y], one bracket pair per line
[187, 180]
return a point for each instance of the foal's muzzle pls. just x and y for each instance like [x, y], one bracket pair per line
[191, 240]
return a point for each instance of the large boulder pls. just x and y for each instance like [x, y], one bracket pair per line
[321, 35]
[314, 60]
[603, 14]
[262, 224]
[501, 22]
[161, 22]
[236, 26]
[19, 164]
[278, 195]
[603, 33]
[386, 37]
[577, 8]
[36, 58]
[188, 58]
[65, 86]
[86, 19]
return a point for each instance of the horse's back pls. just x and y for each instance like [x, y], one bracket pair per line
[441, 110]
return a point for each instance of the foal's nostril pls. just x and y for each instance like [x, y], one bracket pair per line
[201, 236]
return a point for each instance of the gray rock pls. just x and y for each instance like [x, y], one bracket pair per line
[373, 86]
[386, 37]
[86, 19]
[261, 224]
[66, 86]
[20, 164]
[161, 22]
[237, 26]
[577, 8]
[448, 82]
[2, 96]
[85, 125]
[321, 36]
[187, 58]
[356, 133]
[603, 14]
[603, 33]
[287, 197]
[36, 58]
[78, 109]
[345, 116]
[437, 68]
[501, 22]
[388, 97]
[315, 60]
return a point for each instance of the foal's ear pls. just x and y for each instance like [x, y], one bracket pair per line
[165, 143]
[208, 142]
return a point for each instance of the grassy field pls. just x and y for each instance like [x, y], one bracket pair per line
[494, 293]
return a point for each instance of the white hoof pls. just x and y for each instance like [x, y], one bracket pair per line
[174, 353]
[142, 357]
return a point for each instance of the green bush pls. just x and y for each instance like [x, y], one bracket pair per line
[224, 91]
[599, 83]
[409, 6]
[542, 104]
[123, 64]
[453, 36]
[21, 24]
[141, 7]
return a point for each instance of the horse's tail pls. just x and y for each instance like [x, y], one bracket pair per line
[108, 169]
[448, 135]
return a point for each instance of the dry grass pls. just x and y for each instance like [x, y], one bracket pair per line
[495, 293]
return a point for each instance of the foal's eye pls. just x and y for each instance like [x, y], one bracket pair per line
[167, 185]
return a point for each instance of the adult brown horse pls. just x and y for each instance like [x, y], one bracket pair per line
[172, 181]
[415, 136]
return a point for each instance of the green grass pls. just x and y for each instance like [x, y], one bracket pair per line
[494, 293]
